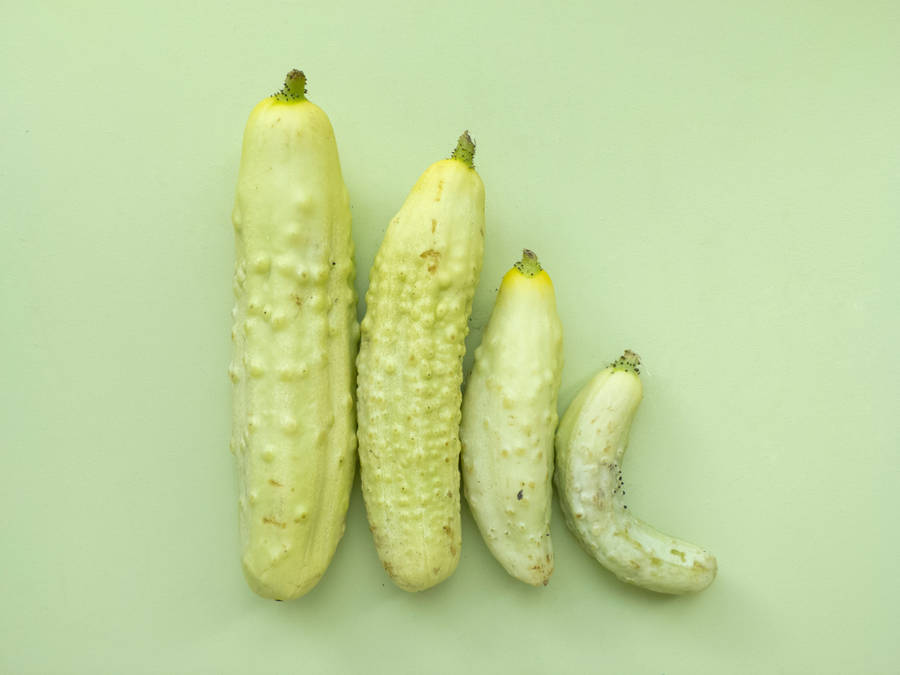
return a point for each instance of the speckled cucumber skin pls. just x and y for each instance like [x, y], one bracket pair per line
[295, 336]
[590, 446]
[509, 417]
[410, 369]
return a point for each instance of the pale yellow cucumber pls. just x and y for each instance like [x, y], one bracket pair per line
[410, 370]
[295, 336]
[590, 446]
[509, 418]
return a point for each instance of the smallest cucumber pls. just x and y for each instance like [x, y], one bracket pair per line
[509, 416]
[590, 446]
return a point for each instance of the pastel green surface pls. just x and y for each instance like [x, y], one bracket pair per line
[714, 185]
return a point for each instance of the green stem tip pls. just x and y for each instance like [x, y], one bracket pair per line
[294, 87]
[528, 265]
[629, 362]
[465, 150]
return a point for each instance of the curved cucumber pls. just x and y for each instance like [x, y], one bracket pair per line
[295, 335]
[590, 446]
[508, 419]
[410, 370]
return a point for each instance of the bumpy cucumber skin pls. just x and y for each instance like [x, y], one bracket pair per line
[508, 422]
[590, 445]
[410, 369]
[295, 335]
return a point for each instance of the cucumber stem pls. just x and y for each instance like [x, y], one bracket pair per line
[294, 88]
[628, 362]
[465, 150]
[528, 265]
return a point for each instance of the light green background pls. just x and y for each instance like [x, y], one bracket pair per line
[712, 184]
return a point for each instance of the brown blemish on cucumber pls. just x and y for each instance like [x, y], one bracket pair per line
[433, 257]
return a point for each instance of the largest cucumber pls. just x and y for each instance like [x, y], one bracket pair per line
[410, 370]
[295, 335]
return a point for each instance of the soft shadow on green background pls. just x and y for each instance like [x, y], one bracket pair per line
[714, 186]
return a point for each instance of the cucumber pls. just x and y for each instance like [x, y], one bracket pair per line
[295, 335]
[508, 420]
[410, 370]
[590, 446]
